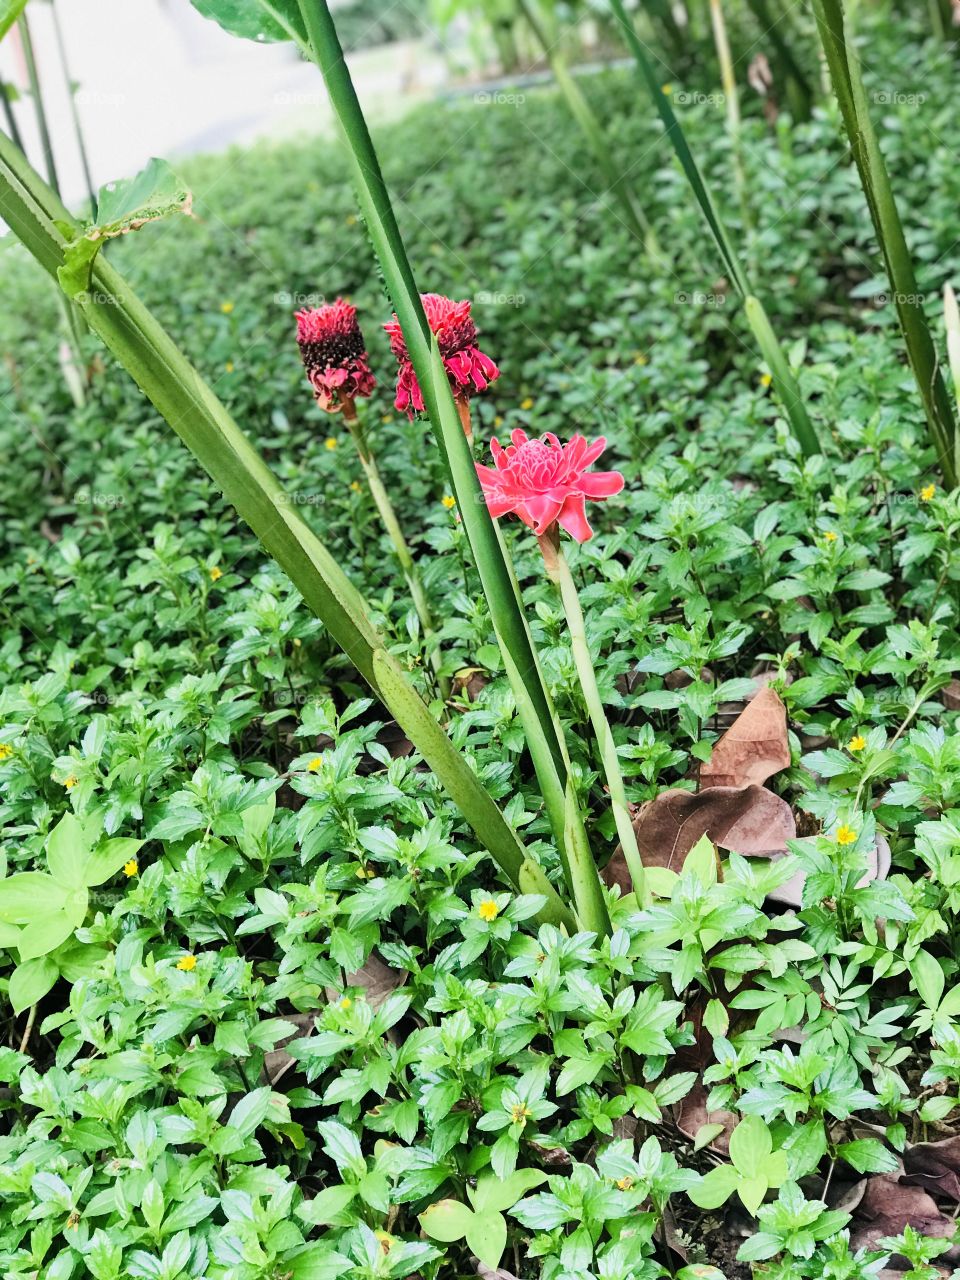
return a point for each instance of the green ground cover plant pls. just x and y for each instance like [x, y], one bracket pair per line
[270, 1008]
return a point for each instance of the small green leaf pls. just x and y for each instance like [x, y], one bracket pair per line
[929, 978]
[447, 1220]
[67, 852]
[124, 206]
[31, 981]
[106, 861]
[487, 1237]
[252, 20]
[10, 11]
[716, 1187]
[22, 895]
[750, 1145]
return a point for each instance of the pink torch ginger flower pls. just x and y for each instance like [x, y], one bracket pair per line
[545, 482]
[334, 354]
[468, 368]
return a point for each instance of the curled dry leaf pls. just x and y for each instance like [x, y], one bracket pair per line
[934, 1166]
[377, 979]
[888, 1205]
[277, 1062]
[755, 746]
[748, 820]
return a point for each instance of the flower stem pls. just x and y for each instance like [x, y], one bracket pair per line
[385, 509]
[559, 568]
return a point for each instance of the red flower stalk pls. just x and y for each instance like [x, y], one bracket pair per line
[545, 482]
[468, 368]
[334, 355]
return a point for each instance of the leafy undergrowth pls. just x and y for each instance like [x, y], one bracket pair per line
[301, 1031]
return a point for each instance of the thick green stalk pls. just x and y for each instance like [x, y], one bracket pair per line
[499, 586]
[35, 215]
[784, 382]
[39, 109]
[557, 564]
[951, 313]
[844, 64]
[385, 509]
[592, 130]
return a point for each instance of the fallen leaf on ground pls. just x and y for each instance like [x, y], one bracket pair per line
[277, 1062]
[935, 1166]
[748, 820]
[691, 1115]
[888, 1205]
[754, 748]
[377, 979]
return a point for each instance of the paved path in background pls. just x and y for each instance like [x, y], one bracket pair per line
[155, 78]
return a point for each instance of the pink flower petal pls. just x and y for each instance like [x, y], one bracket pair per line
[573, 518]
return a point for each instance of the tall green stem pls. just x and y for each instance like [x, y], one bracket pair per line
[844, 64]
[385, 509]
[506, 608]
[11, 120]
[592, 130]
[77, 127]
[558, 566]
[784, 382]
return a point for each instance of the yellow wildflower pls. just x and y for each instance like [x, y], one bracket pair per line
[229, 366]
[351, 219]
[498, 420]
[448, 502]
[857, 742]
[520, 1113]
[226, 307]
[315, 764]
[330, 442]
[71, 781]
[641, 358]
[6, 751]
[346, 1002]
[488, 909]
[624, 1184]
[765, 380]
[187, 963]
[845, 835]
[297, 642]
[527, 403]
[830, 536]
[356, 486]
[927, 492]
[216, 574]
[387, 419]
[131, 867]
[666, 89]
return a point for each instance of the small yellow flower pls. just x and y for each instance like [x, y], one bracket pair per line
[356, 486]
[315, 764]
[527, 403]
[927, 492]
[624, 1184]
[131, 868]
[226, 307]
[297, 642]
[216, 574]
[330, 443]
[765, 380]
[857, 742]
[666, 89]
[187, 963]
[520, 1113]
[346, 1002]
[488, 909]
[387, 419]
[351, 219]
[229, 366]
[498, 420]
[641, 358]
[830, 536]
[6, 751]
[845, 835]
[448, 502]
[71, 781]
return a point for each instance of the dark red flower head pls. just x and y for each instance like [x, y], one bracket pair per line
[334, 354]
[468, 368]
[546, 482]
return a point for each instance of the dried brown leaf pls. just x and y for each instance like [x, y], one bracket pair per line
[754, 748]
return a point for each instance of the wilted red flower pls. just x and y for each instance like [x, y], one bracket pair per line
[334, 354]
[468, 368]
[546, 482]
